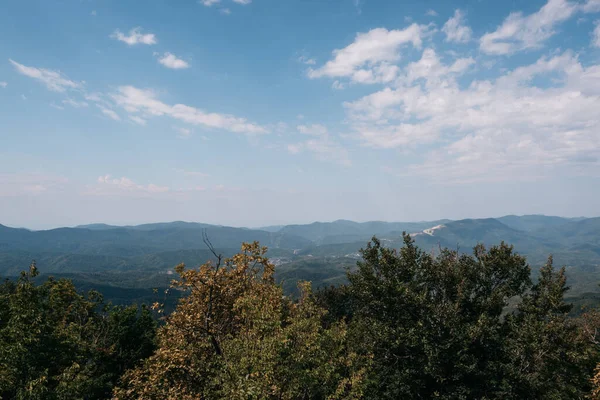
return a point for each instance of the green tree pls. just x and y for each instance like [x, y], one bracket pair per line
[58, 344]
[442, 326]
[236, 336]
[548, 357]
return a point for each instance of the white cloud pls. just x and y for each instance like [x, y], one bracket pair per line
[184, 132]
[491, 129]
[171, 61]
[54, 105]
[596, 35]
[591, 6]
[337, 85]
[519, 32]
[32, 184]
[3, 84]
[431, 13]
[145, 102]
[243, 2]
[76, 104]
[322, 145]
[195, 174]
[138, 120]
[135, 37]
[324, 149]
[455, 29]
[53, 80]
[306, 60]
[369, 58]
[313, 130]
[125, 184]
[109, 113]
[225, 11]
[209, 3]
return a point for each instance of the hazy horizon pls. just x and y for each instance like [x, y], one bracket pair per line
[284, 224]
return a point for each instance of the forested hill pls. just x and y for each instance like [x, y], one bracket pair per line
[320, 251]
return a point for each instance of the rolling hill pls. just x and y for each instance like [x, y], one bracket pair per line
[321, 251]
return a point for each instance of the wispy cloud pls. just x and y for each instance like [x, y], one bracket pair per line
[307, 60]
[370, 57]
[324, 149]
[591, 6]
[3, 84]
[322, 145]
[138, 120]
[431, 13]
[74, 103]
[337, 85]
[171, 61]
[146, 103]
[242, 2]
[488, 127]
[519, 32]
[184, 133]
[312, 130]
[135, 37]
[53, 80]
[455, 29]
[109, 113]
[107, 185]
[19, 184]
[596, 35]
[195, 174]
[209, 3]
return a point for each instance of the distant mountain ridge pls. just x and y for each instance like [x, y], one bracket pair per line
[320, 251]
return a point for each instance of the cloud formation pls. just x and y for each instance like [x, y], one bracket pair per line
[29, 184]
[135, 37]
[456, 30]
[491, 126]
[109, 113]
[125, 184]
[519, 32]
[312, 130]
[596, 35]
[145, 103]
[370, 58]
[322, 145]
[171, 61]
[53, 80]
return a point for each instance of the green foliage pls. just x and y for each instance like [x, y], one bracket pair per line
[547, 357]
[438, 326]
[404, 324]
[236, 336]
[58, 344]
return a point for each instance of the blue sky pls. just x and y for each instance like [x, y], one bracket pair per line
[257, 112]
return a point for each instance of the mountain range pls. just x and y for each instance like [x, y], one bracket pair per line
[143, 256]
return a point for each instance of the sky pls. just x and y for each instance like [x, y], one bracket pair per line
[263, 112]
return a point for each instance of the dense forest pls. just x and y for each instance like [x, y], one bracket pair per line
[408, 323]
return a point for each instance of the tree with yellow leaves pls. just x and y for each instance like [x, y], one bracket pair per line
[236, 336]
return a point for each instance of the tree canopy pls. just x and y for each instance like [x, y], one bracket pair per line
[409, 324]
